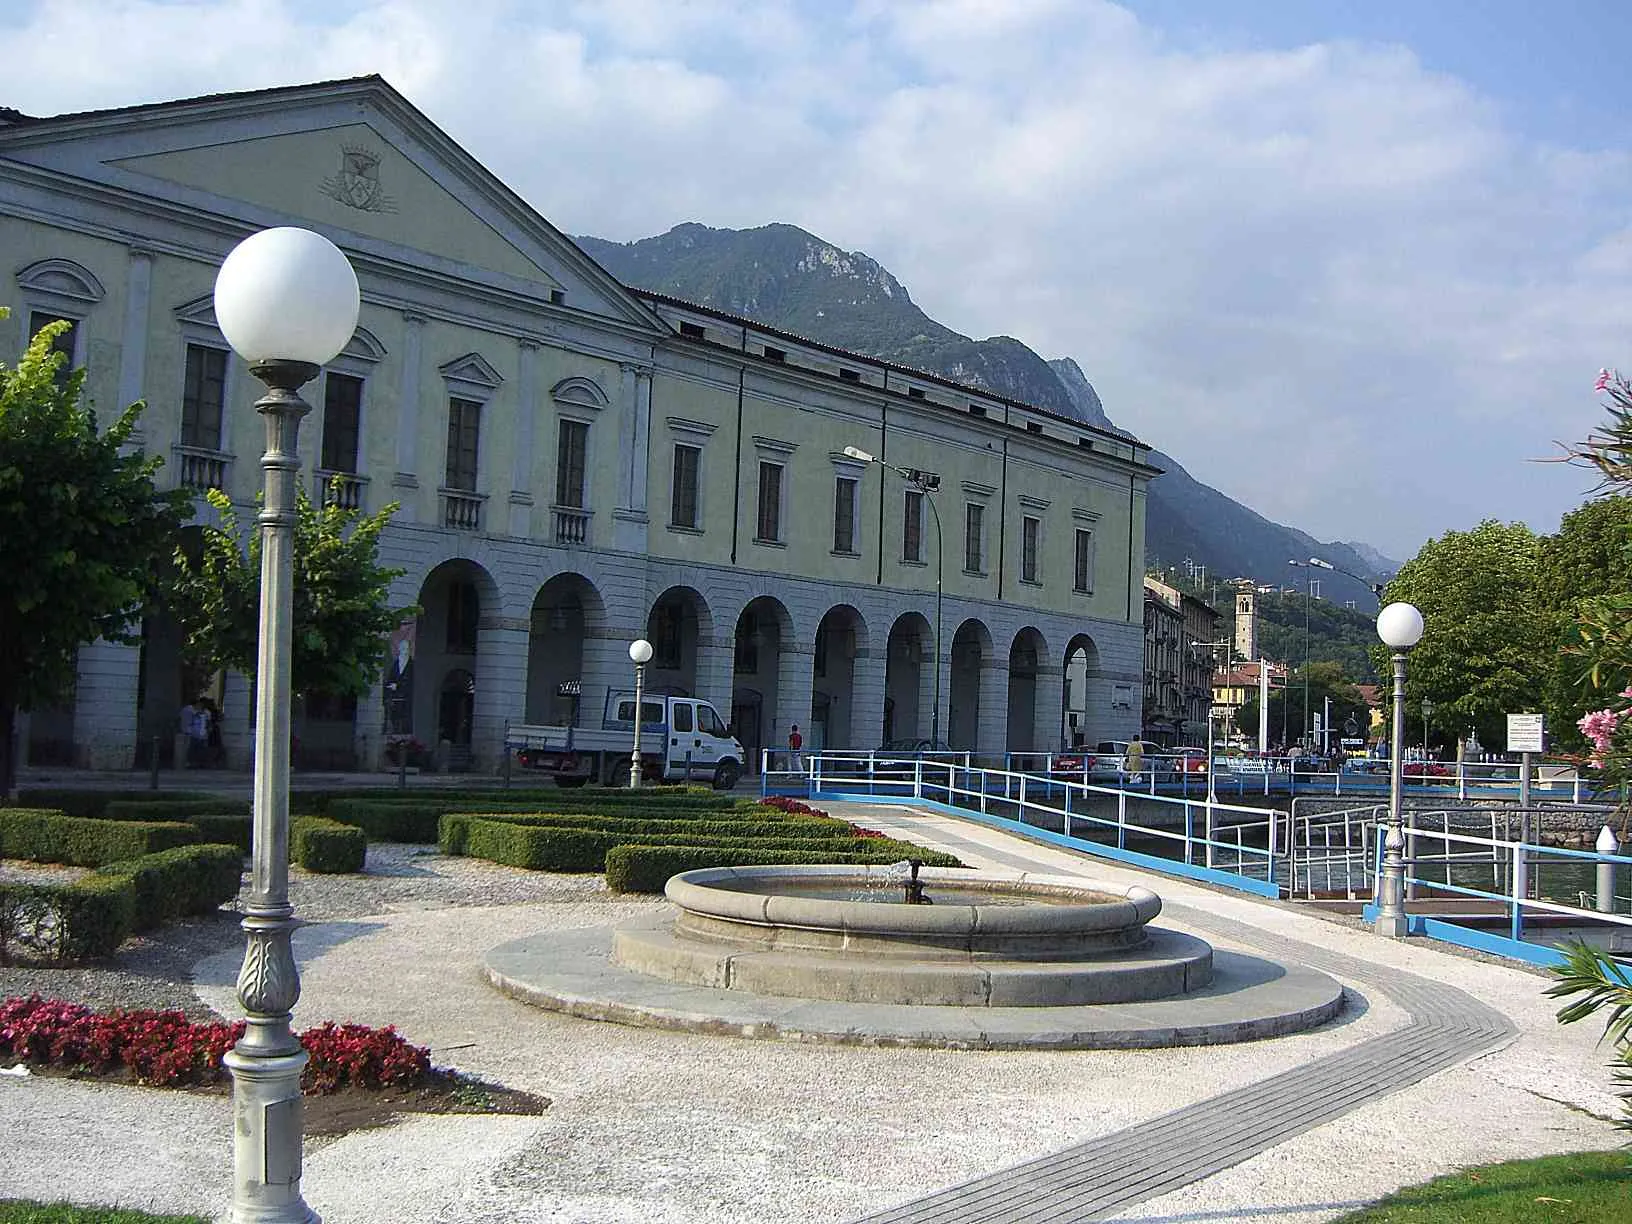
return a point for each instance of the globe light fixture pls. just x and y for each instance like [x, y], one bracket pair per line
[287, 301]
[1399, 625]
[640, 653]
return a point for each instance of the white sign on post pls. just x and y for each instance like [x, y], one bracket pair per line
[1525, 733]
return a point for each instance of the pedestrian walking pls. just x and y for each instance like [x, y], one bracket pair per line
[796, 756]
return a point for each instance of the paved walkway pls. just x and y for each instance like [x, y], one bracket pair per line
[1448, 1061]
[1093, 1180]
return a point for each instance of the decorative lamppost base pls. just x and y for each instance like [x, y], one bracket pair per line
[266, 1143]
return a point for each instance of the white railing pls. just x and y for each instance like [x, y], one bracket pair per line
[1329, 853]
[1196, 832]
[571, 524]
[343, 489]
[462, 511]
[1448, 864]
[200, 467]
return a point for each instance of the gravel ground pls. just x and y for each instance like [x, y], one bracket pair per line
[156, 970]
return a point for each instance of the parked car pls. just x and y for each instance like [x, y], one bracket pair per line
[899, 757]
[1108, 762]
[1189, 760]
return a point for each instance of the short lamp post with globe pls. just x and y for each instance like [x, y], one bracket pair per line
[287, 301]
[640, 653]
[1399, 625]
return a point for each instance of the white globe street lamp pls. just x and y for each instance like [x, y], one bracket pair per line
[287, 301]
[640, 652]
[1399, 625]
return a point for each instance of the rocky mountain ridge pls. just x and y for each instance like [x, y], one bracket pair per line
[794, 281]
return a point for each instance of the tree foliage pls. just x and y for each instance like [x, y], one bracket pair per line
[1326, 679]
[1487, 635]
[83, 530]
[342, 609]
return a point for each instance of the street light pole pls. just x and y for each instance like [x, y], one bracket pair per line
[1427, 712]
[287, 301]
[925, 483]
[1400, 627]
[640, 653]
[1308, 594]
[1376, 587]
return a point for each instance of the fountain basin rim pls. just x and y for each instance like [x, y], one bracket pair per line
[707, 891]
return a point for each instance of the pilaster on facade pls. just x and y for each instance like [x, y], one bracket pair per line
[992, 719]
[105, 678]
[407, 423]
[501, 651]
[867, 698]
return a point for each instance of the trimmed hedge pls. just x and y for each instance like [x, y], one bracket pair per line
[51, 837]
[646, 869]
[327, 846]
[558, 848]
[225, 830]
[92, 916]
[453, 835]
[417, 820]
[174, 809]
[76, 802]
[175, 883]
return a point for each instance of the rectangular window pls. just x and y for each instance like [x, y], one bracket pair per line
[1031, 531]
[1084, 580]
[571, 455]
[683, 503]
[342, 416]
[974, 538]
[691, 331]
[912, 526]
[682, 717]
[775, 354]
[850, 375]
[844, 514]
[770, 502]
[464, 433]
[202, 397]
[63, 344]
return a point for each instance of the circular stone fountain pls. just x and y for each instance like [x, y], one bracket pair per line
[840, 953]
[844, 933]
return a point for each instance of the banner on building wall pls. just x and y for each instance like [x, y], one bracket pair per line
[399, 677]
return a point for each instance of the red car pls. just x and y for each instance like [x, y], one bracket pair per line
[1190, 760]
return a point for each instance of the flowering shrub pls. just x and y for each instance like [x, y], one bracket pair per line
[399, 746]
[792, 807]
[166, 1049]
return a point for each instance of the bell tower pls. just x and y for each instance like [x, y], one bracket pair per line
[1246, 618]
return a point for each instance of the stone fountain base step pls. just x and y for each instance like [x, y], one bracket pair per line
[1248, 998]
[1168, 963]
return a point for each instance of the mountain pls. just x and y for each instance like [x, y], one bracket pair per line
[789, 279]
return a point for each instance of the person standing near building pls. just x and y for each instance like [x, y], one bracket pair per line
[796, 744]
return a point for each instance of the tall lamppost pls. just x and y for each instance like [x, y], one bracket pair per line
[1308, 594]
[1376, 587]
[926, 483]
[287, 301]
[640, 653]
[1400, 627]
[1427, 712]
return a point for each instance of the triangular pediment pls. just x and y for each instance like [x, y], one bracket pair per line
[472, 369]
[351, 159]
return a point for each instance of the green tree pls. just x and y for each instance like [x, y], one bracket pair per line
[342, 608]
[1587, 561]
[1487, 637]
[1326, 679]
[83, 531]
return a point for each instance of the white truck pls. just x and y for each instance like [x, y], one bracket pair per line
[681, 739]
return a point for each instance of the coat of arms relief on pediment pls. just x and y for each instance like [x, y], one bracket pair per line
[357, 185]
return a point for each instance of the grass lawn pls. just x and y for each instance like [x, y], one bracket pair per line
[1580, 1188]
[19, 1211]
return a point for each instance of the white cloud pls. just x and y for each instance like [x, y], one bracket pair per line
[1328, 281]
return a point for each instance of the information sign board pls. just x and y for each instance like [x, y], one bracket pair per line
[1525, 733]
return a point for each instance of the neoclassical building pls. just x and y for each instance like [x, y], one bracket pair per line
[577, 463]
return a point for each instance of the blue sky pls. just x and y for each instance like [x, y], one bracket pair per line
[1355, 264]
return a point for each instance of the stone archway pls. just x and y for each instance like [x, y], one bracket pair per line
[908, 677]
[841, 638]
[679, 627]
[446, 672]
[1080, 701]
[565, 612]
[1026, 656]
[971, 651]
[760, 656]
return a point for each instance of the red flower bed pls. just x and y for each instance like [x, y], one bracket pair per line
[167, 1049]
[792, 807]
